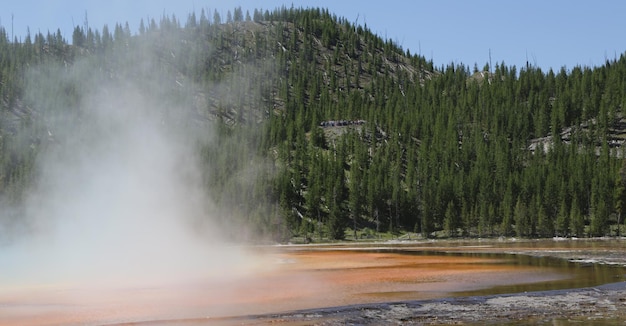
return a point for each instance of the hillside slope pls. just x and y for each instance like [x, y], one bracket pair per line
[440, 152]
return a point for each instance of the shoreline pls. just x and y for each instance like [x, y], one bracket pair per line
[591, 305]
[604, 303]
[601, 301]
[595, 305]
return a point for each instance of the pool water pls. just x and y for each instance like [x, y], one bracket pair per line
[289, 278]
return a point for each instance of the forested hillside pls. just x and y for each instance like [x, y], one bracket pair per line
[324, 130]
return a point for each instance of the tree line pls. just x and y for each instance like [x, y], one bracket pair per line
[443, 151]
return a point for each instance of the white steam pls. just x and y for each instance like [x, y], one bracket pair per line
[119, 197]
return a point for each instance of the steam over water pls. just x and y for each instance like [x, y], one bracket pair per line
[118, 195]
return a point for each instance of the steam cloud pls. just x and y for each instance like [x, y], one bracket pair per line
[119, 195]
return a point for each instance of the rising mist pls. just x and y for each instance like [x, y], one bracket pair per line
[118, 194]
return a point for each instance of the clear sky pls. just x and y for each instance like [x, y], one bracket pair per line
[548, 34]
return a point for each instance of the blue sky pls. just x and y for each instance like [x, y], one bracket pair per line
[549, 34]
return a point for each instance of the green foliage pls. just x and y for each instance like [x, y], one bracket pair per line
[434, 150]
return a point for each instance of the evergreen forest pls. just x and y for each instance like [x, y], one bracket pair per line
[325, 131]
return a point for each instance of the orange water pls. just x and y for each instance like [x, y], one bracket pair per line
[287, 278]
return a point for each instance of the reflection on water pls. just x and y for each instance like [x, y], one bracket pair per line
[305, 277]
[579, 275]
[506, 273]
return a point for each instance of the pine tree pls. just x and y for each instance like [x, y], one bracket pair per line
[522, 222]
[562, 224]
[620, 195]
[450, 220]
